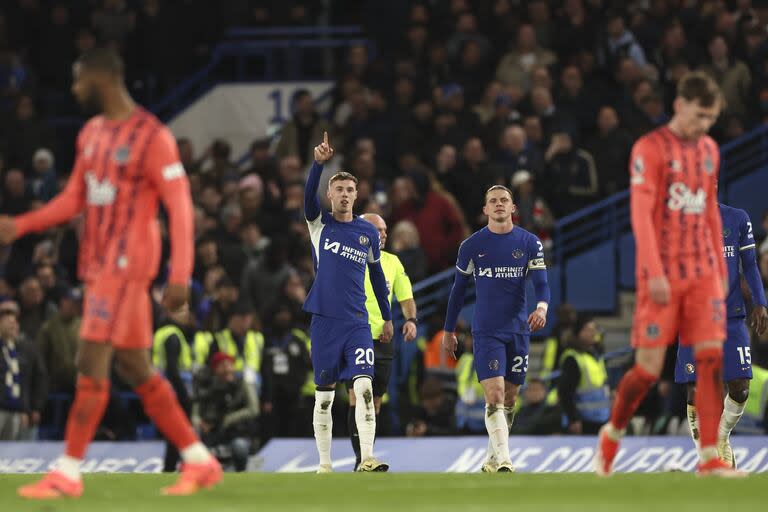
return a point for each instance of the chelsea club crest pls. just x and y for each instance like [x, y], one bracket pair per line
[364, 240]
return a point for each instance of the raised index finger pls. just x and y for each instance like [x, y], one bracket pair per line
[325, 137]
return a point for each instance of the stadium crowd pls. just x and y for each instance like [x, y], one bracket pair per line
[545, 97]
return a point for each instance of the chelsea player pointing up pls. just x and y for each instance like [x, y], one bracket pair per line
[342, 348]
[500, 257]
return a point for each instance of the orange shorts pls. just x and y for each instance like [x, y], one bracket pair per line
[119, 312]
[695, 312]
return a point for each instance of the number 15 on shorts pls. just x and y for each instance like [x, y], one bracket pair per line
[745, 355]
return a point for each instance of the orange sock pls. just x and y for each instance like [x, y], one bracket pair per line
[709, 393]
[162, 407]
[632, 389]
[91, 398]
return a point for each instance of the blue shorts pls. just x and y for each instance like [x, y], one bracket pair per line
[497, 357]
[737, 360]
[341, 349]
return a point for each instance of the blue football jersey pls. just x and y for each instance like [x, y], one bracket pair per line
[340, 251]
[737, 237]
[500, 264]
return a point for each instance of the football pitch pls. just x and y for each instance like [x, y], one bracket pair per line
[403, 492]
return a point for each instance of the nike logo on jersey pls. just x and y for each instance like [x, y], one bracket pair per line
[481, 255]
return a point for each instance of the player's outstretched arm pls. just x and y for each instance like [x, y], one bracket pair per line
[60, 209]
[323, 153]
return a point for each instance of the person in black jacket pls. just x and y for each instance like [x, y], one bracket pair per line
[284, 370]
[226, 411]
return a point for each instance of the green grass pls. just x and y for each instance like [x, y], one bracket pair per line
[403, 492]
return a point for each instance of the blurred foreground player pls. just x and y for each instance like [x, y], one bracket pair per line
[500, 257]
[738, 251]
[343, 246]
[126, 160]
[681, 275]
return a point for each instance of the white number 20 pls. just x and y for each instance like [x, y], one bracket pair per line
[364, 355]
[518, 363]
[745, 355]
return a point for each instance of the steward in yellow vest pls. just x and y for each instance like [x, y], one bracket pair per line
[470, 408]
[583, 385]
[238, 340]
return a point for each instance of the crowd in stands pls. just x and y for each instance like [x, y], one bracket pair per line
[545, 97]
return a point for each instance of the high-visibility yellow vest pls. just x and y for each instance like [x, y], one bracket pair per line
[202, 346]
[549, 358]
[592, 395]
[308, 388]
[158, 348]
[752, 421]
[249, 359]
[468, 387]
[252, 349]
[470, 409]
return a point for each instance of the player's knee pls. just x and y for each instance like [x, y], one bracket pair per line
[134, 366]
[510, 395]
[93, 360]
[494, 396]
[738, 390]
[651, 361]
[364, 391]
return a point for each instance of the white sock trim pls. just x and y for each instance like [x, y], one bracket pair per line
[365, 416]
[69, 467]
[322, 423]
[196, 453]
[613, 432]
